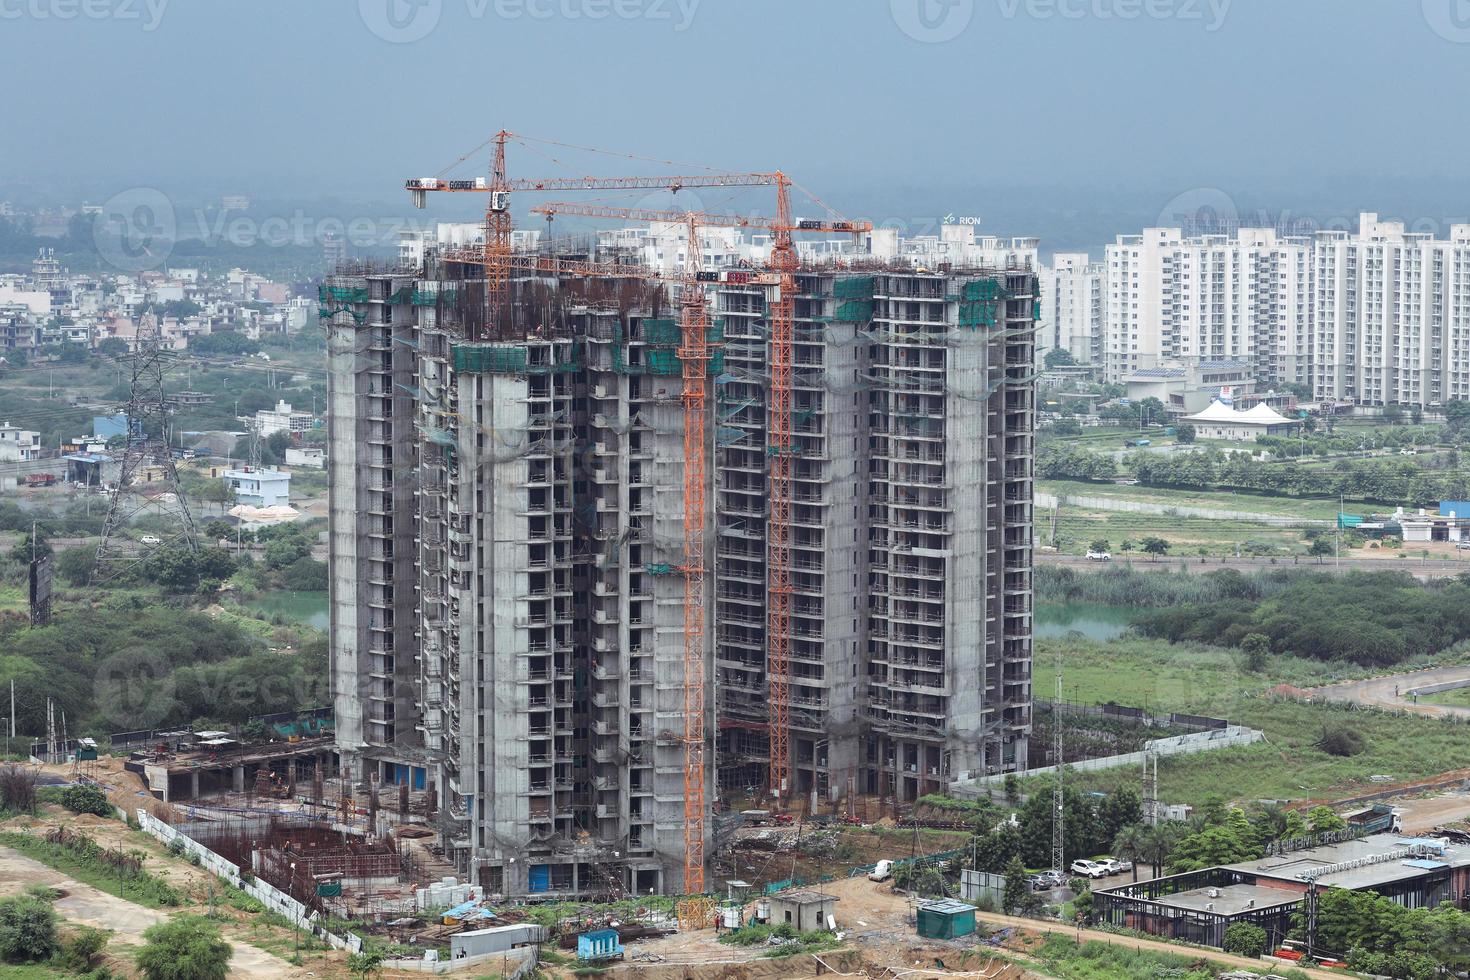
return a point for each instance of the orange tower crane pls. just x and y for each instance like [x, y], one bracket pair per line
[497, 250]
[783, 261]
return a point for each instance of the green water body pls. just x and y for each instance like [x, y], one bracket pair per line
[306, 608]
[1094, 620]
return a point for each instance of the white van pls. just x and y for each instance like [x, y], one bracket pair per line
[882, 871]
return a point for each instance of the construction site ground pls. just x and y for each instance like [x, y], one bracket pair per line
[880, 943]
[760, 855]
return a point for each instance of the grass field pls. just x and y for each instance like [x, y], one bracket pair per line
[1160, 677]
[1077, 527]
[1459, 697]
[1292, 507]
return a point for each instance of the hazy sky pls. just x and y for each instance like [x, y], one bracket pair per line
[351, 96]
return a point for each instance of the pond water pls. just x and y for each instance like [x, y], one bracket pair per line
[307, 608]
[1093, 620]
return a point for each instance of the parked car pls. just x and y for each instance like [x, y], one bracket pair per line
[1089, 869]
[1115, 866]
[1099, 556]
[151, 539]
[882, 871]
[1045, 881]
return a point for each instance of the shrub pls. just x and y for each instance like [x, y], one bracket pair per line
[1244, 939]
[27, 930]
[1341, 741]
[18, 789]
[86, 799]
[80, 952]
[185, 948]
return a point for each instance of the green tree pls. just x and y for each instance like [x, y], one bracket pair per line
[1131, 844]
[27, 930]
[74, 565]
[176, 569]
[219, 530]
[1230, 840]
[188, 947]
[1117, 810]
[1256, 647]
[364, 964]
[994, 851]
[1320, 548]
[1082, 904]
[1059, 357]
[1325, 820]
[1017, 889]
[1098, 545]
[1185, 433]
[1393, 414]
[22, 552]
[112, 347]
[1245, 939]
[1155, 546]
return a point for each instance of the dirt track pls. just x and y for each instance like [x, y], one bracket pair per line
[87, 906]
[1392, 690]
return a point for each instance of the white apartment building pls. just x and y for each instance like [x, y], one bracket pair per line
[1212, 297]
[283, 418]
[1391, 319]
[1072, 293]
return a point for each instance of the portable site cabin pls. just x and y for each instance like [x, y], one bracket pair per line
[946, 919]
[600, 945]
[805, 910]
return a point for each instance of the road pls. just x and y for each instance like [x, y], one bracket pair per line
[1392, 691]
[1422, 815]
[1416, 567]
[86, 905]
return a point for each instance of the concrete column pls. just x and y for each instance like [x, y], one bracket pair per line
[194, 785]
[239, 779]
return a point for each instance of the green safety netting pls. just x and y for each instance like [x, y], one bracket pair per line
[505, 359]
[854, 287]
[983, 289]
[402, 296]
[342, 294]
[430, 297]
[664, 362]
[854, 311]
[662, 333]
[658, 569]
[327, 312]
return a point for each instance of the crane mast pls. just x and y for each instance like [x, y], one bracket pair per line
[778, 529]
[694, 354]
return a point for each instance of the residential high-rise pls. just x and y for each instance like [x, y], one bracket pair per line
[1391, 316]
[1072, 293]
[506, 532]
[1209, 297]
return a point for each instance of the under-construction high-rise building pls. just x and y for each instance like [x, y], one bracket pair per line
[506, 525]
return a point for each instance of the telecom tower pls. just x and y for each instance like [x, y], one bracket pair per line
[149, 483]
